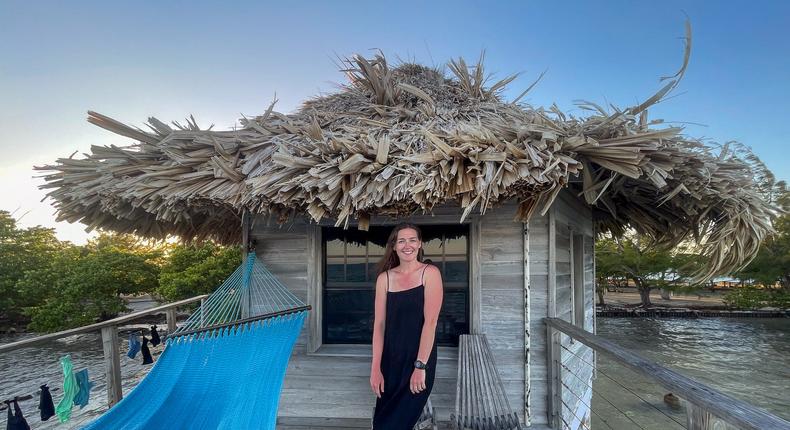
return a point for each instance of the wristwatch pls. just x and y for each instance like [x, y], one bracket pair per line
[420, 365]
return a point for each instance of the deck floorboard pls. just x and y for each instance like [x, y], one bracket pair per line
[293, 423]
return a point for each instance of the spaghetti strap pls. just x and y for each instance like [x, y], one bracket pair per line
[422, 277]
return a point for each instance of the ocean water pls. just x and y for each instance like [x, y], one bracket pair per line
[748, 359]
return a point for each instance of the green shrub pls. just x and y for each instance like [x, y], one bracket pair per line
[85, 285]
[194, 270]
[754, 298]
[745, 298]
[780, 299]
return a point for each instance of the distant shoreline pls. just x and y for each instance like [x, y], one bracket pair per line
[627, 304]
[662, 312]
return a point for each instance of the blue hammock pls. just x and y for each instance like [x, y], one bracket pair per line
[224, 367]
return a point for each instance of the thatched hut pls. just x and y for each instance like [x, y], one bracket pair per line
[511, 198]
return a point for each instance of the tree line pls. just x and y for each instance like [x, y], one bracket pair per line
[49, 285]
[633, 260]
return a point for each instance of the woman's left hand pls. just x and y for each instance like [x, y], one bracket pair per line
[417, 382]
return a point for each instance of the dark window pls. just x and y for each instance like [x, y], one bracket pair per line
[350, 258]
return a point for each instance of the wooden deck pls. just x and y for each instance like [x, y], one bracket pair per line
[338, 423]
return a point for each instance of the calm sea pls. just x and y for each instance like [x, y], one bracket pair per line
[746, 358]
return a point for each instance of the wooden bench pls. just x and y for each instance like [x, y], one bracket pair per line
[480, 400]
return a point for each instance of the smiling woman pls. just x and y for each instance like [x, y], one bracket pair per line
[349, 264]
[407, 304]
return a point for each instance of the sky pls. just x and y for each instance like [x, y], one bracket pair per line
[219, 60]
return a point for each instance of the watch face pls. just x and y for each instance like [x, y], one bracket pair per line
[419, 364]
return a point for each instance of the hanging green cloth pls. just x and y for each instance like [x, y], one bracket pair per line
[63, 410]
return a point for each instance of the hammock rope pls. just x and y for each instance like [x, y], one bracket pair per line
[224, 367]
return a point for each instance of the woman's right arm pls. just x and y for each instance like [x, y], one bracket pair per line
[379, 318]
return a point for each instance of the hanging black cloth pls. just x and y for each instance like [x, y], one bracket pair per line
[147, 359]
[45, 404]
[16, 421]
[155, 340]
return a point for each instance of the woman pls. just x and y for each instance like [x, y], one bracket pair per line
[408, 301]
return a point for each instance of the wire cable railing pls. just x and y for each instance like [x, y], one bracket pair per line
[670, 422]
[626, 389]
[574, 401]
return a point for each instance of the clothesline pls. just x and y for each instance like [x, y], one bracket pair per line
[155, 340]
[25, 398]
[76, 386]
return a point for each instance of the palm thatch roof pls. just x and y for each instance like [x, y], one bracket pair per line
[396, 140]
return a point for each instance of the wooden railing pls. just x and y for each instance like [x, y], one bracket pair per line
[109, 335]
[705, 405]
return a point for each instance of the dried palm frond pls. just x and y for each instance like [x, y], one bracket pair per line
[402, 139]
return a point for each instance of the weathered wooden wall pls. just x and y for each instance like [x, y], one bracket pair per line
[502, 298]
[551, 293]
[331, 381]
[573, 224]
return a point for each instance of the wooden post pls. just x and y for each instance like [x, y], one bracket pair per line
[246, 222]
[552, 299]
[314, 283]
[527, 323]
[553, 368]
[112, 363]
[245, 232]
[202, 314]
[594, 310]
[475, 277]
[171, 320]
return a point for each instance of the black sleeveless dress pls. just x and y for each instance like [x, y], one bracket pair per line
[398, 408]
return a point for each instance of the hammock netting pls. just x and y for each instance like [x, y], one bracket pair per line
[224, 367]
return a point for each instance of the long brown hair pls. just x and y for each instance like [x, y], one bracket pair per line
[390, 258]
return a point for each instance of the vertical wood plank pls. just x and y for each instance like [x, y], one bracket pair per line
[246, 223]
[574, 274]
[552, 299]
[245, 232]
[594, 312]
[112, 364]
[577, 280]
[314, 286]
[553, 368]
[475, 277]
[527, 373]
[171, 320]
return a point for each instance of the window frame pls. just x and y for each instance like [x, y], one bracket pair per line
[315, 281]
